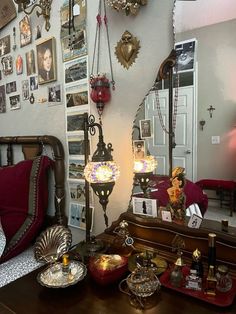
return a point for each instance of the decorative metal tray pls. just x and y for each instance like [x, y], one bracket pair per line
[53, 276]
[160, 265]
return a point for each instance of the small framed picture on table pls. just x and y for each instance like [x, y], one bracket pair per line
[144, 206]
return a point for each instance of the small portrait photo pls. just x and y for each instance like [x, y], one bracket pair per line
[76, 145]
[25, 89]
[46, 61]
[34, 83]
[25, 31]
[7, 65]
[77, 216]
[139, 149]
[2, 99]
[76, 169]
[38, 32]
[144, 206]
[76, 96]
[185, 52]
[76, 70]
[5, 46]
[30, 62]
[54, 94]
[11, 87]
[14, 102]
[19, 65]
[145, 128]
[75, 122]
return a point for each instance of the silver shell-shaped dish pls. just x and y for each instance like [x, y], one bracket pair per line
[52, 244]
[53, 276]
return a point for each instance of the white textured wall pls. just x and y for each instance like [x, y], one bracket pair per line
[153, 27]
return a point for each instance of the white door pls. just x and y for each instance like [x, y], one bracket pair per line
[183, 153]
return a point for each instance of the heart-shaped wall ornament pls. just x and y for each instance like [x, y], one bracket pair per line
[127, 49]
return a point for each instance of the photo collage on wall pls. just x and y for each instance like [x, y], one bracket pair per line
[23, 54]
[76, 98]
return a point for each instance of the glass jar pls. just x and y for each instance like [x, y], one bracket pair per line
[224, 280]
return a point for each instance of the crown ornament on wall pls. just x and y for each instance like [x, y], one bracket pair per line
[129, 6]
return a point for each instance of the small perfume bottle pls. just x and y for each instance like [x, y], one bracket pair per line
[65, 264]
[211, 281]
[193, 281]
[224, 280]
[176, 276]
[196, 263]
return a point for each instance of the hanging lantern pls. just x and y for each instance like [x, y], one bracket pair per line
[100, 91]
[99, 83]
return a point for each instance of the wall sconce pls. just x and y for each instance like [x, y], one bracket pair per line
[143, 169]
[101, 173]
[211, 109]
[202, 123]
[43, 5]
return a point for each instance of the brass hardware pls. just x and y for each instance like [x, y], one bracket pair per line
[127, 49]
[129, 6]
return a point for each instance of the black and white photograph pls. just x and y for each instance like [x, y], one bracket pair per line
[5, 46]
[77, 192]
[75, 122]
[145, 128]
[144, 206]
[77, 216]
[76, 96]
[139, 149]
[76, 169]
[14, 102]
[54, 94]
[7, 65]
[76, 70]
[34, 83]
[30, 62]
[2, 99]
[11, 87]
[25, 89]
[185, 52]
[76, 145]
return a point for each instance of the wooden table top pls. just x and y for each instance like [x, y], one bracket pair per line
[26, 295]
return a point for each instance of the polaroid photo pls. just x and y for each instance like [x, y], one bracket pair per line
[14, 102]
[54, 94]
[139, 149]
[2, 99]
[195, 221]
[76, 145]
[77, 216]
[34, 83]
[76, 96]
[74, 122]
[77, 192]
[25, 89]
[76, 70]
[144, 206]
[186, 55]
[166, 215]
[11, 87]
[145, 128]
[76, 169]
[5, 46]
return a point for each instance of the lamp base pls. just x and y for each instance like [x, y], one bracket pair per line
[90, 248]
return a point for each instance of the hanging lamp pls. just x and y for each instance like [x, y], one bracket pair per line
[99, 83]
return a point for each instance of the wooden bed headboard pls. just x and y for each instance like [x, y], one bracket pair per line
[32, 146]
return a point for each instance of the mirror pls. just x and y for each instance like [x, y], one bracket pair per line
[205, 132]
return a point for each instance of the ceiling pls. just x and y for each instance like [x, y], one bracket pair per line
[194, 14]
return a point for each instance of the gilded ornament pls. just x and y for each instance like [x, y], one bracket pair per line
[127, 49]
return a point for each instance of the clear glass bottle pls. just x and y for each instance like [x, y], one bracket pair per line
[224, 280]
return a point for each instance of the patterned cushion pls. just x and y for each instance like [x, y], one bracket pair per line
[23, 203]
[2, 240]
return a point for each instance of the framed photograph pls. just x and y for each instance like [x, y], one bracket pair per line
[145, 128]
[144, 206]
[7, 65]
[30, 62]
[19, 65]
[76, 145]
[76, 96]
[2, 99]
[7, 12]
[25, 89]
[77, 192]
[34, 83]
[54, 94]
[75, 122]
[11, 87]
[14, 102]
[76, 169]
[185, 53]
[25, 31]
[139, 149]
[46, 61]
[5, 46]
[76, 70]
[77, 216]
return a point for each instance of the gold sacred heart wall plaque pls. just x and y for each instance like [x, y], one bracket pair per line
[127, 49]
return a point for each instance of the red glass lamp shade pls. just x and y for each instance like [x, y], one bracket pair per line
[100, 91]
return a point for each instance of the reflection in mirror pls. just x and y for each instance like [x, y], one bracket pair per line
[205, 48]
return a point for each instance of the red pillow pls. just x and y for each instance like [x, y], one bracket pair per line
[23, 203]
